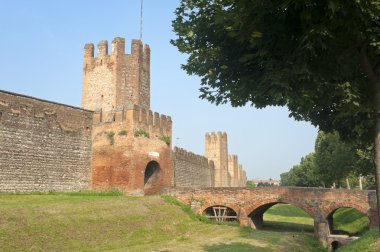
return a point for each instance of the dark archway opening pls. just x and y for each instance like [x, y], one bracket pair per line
[282, 217]
[335, 245]
[152, 174]
[348, 221]
[220, 214]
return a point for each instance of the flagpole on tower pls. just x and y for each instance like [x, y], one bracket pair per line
[141, 19]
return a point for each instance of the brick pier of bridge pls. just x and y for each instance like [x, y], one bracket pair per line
[250, 204]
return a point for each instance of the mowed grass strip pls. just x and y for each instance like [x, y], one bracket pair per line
[92, 222]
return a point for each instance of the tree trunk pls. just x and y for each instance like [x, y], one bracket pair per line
[361, 182]
[374, 79]
[377, 138]
[348, 184]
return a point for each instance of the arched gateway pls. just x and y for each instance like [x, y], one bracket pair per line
[152, 174]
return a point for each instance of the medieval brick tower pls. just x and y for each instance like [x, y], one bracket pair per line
[131, 148]
[116, 81]
[233, 170]
[217, 151]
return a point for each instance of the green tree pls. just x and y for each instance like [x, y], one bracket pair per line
[320, 58]
[335, 160]
[303, 174]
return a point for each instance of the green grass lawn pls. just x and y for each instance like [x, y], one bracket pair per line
[350, 220]
[92, 222]
[288, 217]
[113, 222]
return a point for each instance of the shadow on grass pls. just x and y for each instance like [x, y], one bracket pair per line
[237, 246]
[286, 227]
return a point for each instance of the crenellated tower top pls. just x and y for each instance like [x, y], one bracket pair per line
[118, 80]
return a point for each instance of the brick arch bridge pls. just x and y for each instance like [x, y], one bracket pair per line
[251, 203]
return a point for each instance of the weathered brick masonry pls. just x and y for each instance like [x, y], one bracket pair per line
[121, 157]
[129, 148]
[192, 170]
[44, 146]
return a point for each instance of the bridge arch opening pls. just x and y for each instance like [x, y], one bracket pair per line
[335, 245]
[347, 221]
[220, 213]
[152, 174]
[281, 216]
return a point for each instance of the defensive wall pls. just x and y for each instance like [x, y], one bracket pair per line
[250, 204]
[114, 142]
[45, 146]
[191, 170]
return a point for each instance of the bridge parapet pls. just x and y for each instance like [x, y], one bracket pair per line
[251, 203]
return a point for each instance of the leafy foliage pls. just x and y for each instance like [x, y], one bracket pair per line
[333, 161]
[302, 174]
[314, 56]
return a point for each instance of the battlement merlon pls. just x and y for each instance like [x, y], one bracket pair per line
[118, 48]
[102, 49]
[233, 158]
[89, 50]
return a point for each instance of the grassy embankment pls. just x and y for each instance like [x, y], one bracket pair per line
[113, 222]
[93, 222]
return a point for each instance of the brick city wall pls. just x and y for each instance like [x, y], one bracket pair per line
[192, 170]
[45, 146]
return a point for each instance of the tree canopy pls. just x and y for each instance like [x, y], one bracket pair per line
[303, 174]
[333, 162]
[320, 58]
[314, 56]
